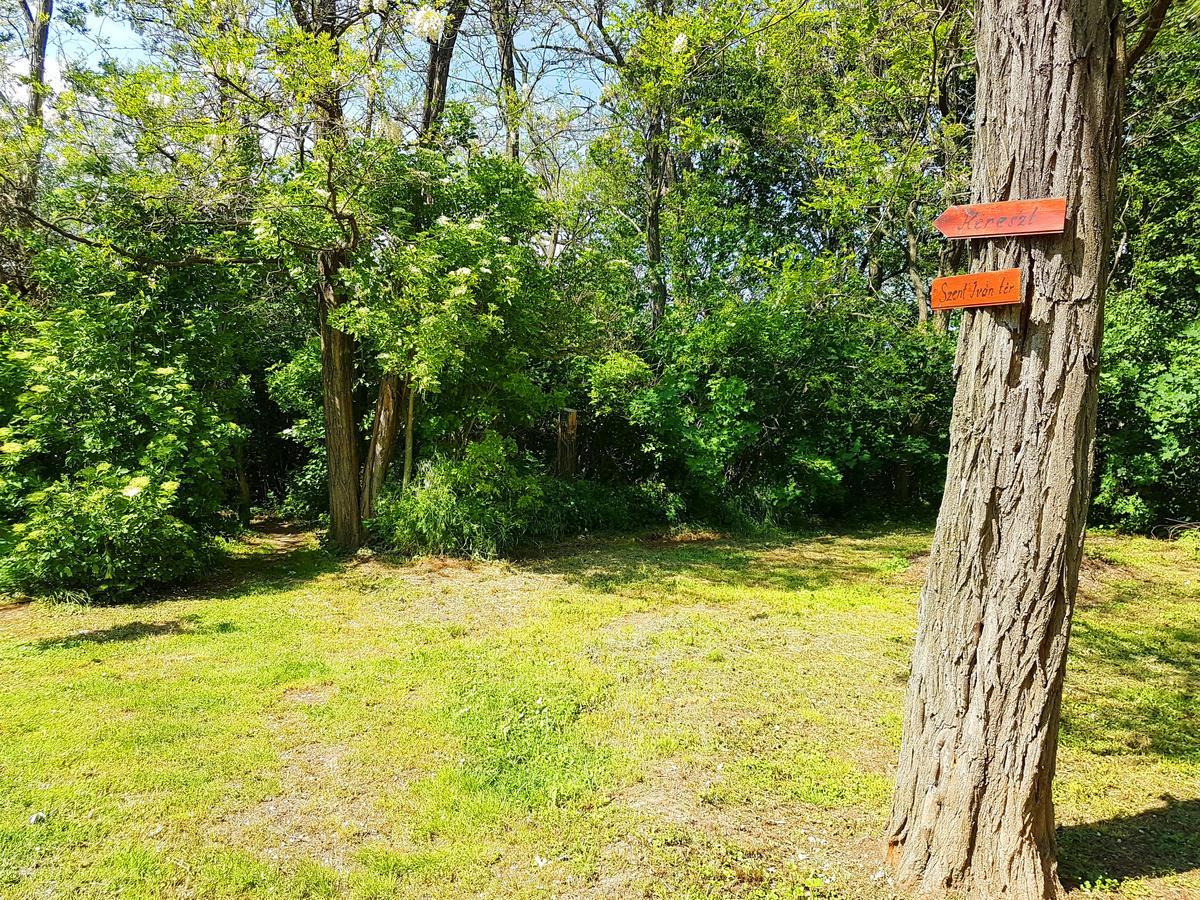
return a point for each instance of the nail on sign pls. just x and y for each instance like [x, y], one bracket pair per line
[981, 289]
[1046, 216]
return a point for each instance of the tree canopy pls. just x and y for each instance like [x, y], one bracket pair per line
[353, 260]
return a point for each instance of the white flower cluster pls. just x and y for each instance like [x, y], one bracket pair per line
[232, 71]
[393, 130]
[427, 22]
[680, 45]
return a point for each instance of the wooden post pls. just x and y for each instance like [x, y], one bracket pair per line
[568, 452]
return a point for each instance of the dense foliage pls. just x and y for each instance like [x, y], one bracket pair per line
[1150, 383]
[704, 228]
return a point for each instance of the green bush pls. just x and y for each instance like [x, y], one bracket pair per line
[480, 505]
[813, 488]
[118, 428]
[495, 498]
[101, 537]
[1191, 540]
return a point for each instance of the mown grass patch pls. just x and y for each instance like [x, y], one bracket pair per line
[623, 718]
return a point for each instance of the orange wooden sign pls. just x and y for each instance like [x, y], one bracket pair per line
[981, 289]
[1045, 216]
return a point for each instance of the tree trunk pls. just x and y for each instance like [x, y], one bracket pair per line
[902, 482]
[38, 23]
[873, 265]
[913, 255]
[243, 480]
[655, 183]
[437, 71]
[386, 426]
[408, 441]
[382, 448]
[972, 810]
[337, 347]
[874, 275]
[950, 104]
[504, 25]
[341, 430]
[948, 259]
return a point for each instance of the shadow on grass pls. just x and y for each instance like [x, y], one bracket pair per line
[1150, 844]
[1145, 689]
[134, 631]
[281, 554]
[781, 561]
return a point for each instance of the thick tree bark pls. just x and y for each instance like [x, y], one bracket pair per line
[341, 429]
[384, 431]
[972, 810]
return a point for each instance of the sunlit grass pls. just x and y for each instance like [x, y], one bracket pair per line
[624, 718]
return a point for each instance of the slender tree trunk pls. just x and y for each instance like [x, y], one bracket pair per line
[655, 184]
[382, 448]
[948, 259]
[337, 347]
[408, 440]
[874, 274]
[902, 481]
[38, 24]
[504, 25]
[913, 256]
[972, 810]
[341, 428]
[950, 103]
[243, 480]
[873, 266]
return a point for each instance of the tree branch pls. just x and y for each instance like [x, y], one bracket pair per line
[1150, 23]
[192, 259]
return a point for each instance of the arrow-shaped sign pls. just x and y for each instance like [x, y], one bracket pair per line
[980, 220]
[980, 289]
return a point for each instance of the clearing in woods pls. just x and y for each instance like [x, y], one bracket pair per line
[681, 717]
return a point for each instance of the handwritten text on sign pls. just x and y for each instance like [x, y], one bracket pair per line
[1046, 216]
[981, 289]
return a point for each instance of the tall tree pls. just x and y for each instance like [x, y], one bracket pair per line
[437, 70]
[396, 396]
[973, 810]
[321, 21]
[38, 21]
[504, 25]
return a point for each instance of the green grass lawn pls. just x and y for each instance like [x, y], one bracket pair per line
[694, 717]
